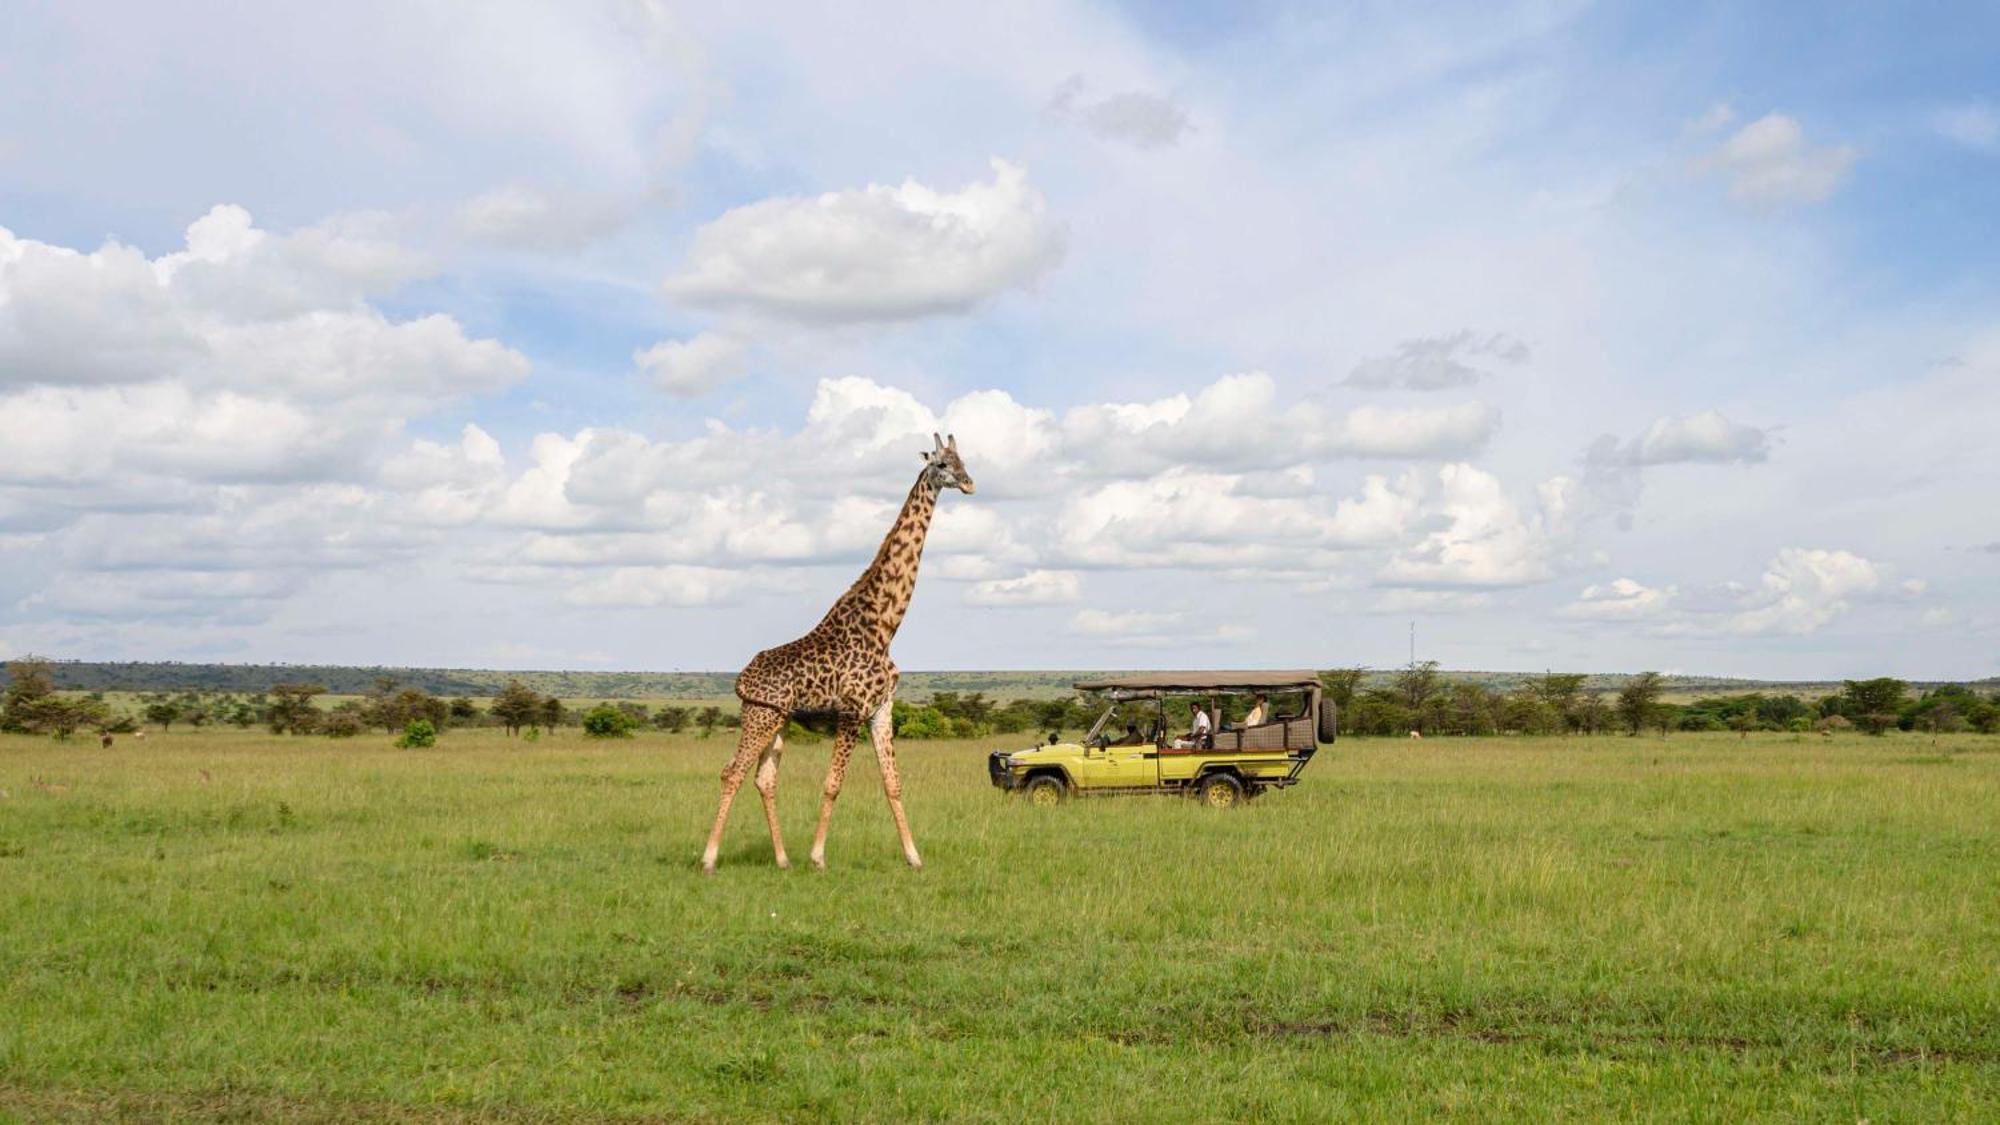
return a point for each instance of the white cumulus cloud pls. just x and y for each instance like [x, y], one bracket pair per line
[695, 366]
[1803, 589]
[1621, 599]
[1035, 588]
[878, 253]
[1769, 161]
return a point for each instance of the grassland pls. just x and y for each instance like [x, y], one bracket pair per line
[230, 925]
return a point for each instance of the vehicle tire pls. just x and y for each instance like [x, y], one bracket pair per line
[1045, 791]
[1329, 720]
[1219, 791]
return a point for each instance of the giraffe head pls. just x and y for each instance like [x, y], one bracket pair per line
[943, 468]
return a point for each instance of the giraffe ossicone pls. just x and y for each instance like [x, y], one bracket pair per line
[842, 667]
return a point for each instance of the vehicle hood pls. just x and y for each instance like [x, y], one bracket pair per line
[1046, 753]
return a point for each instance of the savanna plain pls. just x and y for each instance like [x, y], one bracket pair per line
[225, 924]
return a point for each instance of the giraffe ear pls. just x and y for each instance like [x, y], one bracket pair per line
[924, 456]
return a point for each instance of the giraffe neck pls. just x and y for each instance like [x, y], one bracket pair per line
[882, 594]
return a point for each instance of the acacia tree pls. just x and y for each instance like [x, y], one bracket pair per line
[291, 710]
[31, 692]
[1340, 684]
[1559, 690]
[516, 706]
[1638, 701]
[1874, 705]
[163, 713]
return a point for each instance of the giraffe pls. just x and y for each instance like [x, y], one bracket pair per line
[842, 667]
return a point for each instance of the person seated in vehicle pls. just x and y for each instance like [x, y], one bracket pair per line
[1131, 737]
[1199, 731]
[1258, 711]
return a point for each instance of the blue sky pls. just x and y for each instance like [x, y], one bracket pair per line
[1585, 335]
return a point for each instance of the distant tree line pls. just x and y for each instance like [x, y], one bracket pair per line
[1420, 699]
[1417, 698]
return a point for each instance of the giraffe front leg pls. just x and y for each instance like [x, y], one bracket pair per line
[767, 788]
[882, 731]
[760, 724]
[843, 745]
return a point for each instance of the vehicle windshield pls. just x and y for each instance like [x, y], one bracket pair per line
[1130, 722]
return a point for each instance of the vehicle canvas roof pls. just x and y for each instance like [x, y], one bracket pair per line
[1202, 681]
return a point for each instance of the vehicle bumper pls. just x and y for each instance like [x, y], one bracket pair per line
[1000, 770]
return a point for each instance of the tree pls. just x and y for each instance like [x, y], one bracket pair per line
[606, 721]
[463, 711]
[1417, 684]
[1874, 705]
[64, 717]
[163, 713]
[516, 706]
[1559, 690]
[30, 692]
[707, 719]
[291, 710]
[344, 721]
[670, 718]
[1638, 700]
[1339, 685]
[552, 713]
[1591, 714]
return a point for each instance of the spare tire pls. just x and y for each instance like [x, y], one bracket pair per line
[1329, 720]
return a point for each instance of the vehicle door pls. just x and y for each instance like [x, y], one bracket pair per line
[1134, 766]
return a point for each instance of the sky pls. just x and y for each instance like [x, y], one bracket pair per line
[608, 334]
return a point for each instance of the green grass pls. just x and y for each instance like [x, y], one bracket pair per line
[229, 925]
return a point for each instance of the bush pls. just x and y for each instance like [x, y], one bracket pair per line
[419, 735]
[341, 723]
[606, 721]
[922, 722]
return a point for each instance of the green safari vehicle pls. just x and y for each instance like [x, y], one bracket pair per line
[1138, 746]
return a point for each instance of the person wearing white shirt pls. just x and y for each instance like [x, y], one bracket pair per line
[1198, 729]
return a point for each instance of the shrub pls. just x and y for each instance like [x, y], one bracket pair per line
[606, 721]
[344, 723]
[922, 722]
[419, 735]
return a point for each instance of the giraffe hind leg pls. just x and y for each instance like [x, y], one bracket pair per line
[767, 788]
[760, 725]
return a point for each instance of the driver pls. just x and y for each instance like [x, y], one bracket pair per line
[1131, 737]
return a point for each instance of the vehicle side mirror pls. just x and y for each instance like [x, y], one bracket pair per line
[1055, 736]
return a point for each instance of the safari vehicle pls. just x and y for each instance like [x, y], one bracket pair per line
[1142, 743]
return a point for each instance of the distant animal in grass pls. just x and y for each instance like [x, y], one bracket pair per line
[205, 778]
[1417, 734]
[47, 786]
[104, 740]
[140, 735]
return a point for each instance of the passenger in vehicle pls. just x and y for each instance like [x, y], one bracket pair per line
[1257, 711]
[1131, 737]
[1198, 730]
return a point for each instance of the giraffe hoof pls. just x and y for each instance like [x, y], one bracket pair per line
[784, 864]
[819, 863]
[916, 863]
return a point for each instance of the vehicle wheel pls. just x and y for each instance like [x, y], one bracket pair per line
[1329, 721]
[1046, 791]
[1220, 791]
